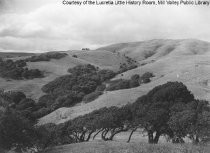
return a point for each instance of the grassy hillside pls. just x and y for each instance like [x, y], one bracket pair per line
[159, 48]
[187, 61]
[14, 54]
[122, 147]
[55, 68]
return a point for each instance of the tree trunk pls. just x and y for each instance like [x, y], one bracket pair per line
[157, 136]
[103, 134]
[150, 137]
[89, 135]
[82, 136]
[75, 134]
[116, 132]
[177, 140]
[97, 133]
[131, 134]
[196, 140]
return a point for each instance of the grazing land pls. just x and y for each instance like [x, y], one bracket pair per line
[122, 147]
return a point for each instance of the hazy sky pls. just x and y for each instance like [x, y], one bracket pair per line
[33, 25]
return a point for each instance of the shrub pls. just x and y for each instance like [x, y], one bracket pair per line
[124, 67]
[119, 84]
[16, 96]
[75, 56]
[25, 104]
[70, 89]
[145, 78]
[15, 70]
[41, 112]
[46, 100]
[135, 77]
[66, 100]
[92, 96]
[106, 75]
[46, 57]
[16, 131]
[83, 69]
[52, 135]
[101, 87]
[134, 81]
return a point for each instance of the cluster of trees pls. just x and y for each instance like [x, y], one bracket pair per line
[167, 110]
[106, 121]
[27, 107]
[83, 83]
[92, 96]
[131, 64]
[130, 60]
[20, 133]
[18, 130]
[124, 67]
[16, 70]
[46, 57]
[134, 81]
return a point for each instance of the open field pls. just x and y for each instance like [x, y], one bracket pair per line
[122, 147]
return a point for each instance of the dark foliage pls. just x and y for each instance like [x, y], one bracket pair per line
[16, 70]
[168, 109]
[191, 120]
[106, 75]
[27, 107]
[69, 90]
[145, 78]
[67, 100]
[16, 96]
[46, 57]
[26, 103]
[51, 135]
[105, 120]
[101, 87]
[134, 81]
[16, 131]
[40, 112]
[92, 96]
[153, 110]
[119, 84]
[124, 67]
[75, 56]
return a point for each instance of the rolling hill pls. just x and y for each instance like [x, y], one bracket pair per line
[187, 61]
[55, 68]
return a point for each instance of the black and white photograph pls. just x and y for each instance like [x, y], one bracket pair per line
[104, 76]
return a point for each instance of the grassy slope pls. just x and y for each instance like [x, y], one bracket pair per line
[187, 61]
[56, 68]
[14, 54]
[122, 147]
[170, 60]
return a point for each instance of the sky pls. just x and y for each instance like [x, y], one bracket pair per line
[46, 25]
